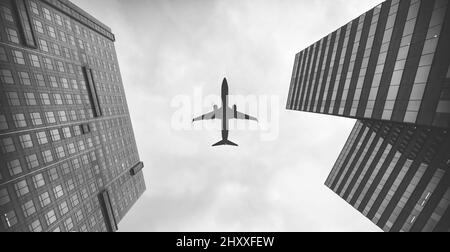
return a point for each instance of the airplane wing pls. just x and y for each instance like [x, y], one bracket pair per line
[233, 113]
[209, 116]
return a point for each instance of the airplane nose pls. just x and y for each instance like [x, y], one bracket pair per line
[225, 82]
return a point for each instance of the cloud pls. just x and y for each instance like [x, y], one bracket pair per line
[166, 48]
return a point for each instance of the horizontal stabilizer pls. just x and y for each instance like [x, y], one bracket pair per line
[225, 142]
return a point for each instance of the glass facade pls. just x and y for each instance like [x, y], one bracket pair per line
[396, 175]
[390, 69]
[389, 64]
[65, 131]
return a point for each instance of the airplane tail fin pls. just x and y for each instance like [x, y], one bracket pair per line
[225, 142]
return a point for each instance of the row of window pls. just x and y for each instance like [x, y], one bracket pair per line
[44, 99]
[52, 17]
[35, 119]
[7, 77]
[27, 141]
[60, 213]
[52, 64]
[45, 157]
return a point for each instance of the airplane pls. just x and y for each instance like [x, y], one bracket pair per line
[225, 114]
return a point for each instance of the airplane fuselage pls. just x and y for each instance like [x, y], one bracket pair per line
[224, 96]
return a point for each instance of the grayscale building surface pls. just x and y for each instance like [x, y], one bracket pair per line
[390, 69]
[391, 63]
[397, 175]
[68, 157]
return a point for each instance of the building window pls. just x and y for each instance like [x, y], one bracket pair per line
[47, 14]
[62, 116]
[51, 32]
[3, 123]
[55, 135]
[42, 137]
[93, 186]
[35, 226]
[68, 24]
[6, 13]
[63, 36]
[38, 26]
[84, 194]
[56, 49]
[4, 197]
[18, 57]
[92, 222]
[58, 20]
[34, 8]
[63, 208]
[68, 224]
[40, 80]
[43, 45]
[65, 168]
[45, 99]
[34, 59]
[66, 132]
[32, 161]
[6, 76]
[19, 120]
[53, 174]
[24, 78]
[60, 66]
[38, 181]
[48, 63]
[26, 141]
[12, 35]
[50, 117]
[36, 118]
[13, 98]
[44, 199]
[71, 148]
[53, 81]
[30, 99]
[21, 188]
[79, 215]
[10, 219]
[69, 99]
[58, 99]
[58, 191]
[76, 164]
[70, 185]
[50, 217]
[74, 84]
[64, 83]
[3, 56]
[28, 209]
[47, 155]
[60, 152]
[74, 200]
[14, 167]
[7, 145]
[73, 115]
[71, 40]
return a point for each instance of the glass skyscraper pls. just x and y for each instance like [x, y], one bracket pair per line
[69, 160]
[397, 175]
[390, 69]
[391, 63]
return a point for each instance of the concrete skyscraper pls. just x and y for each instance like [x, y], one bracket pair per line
[390, 69]
[69, 160]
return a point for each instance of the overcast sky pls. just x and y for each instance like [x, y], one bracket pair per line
[167, 48]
